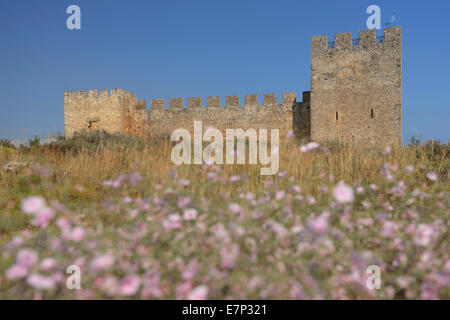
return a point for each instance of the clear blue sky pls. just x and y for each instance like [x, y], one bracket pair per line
[162, 49]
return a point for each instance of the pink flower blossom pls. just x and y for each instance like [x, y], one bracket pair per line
[184, 183]
[190, 214]
[388, 229]
[309, 147]
[343, 193]
[198, 293]
[432, 176]
[127, 200]
[16, 271]
[27, 257]
[134, 213]
[63, 224]
[310, 200]
[424, 235]
[135, 178]
[43, 217]
[280, 194]
[76, 235]
[360, 190]
[130, 285]
[387, 151]
[183, 202]
[319, 225]
[15, 242]
[102, 263]
[234, 208]
[366, 204]
[173, 221]
[48, 264]
[234, 178]
[32, 205]
[40, 282]
[229, 256]
[312, 145]
[110, 286]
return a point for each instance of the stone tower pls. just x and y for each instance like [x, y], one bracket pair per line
[115, 111]
[356, 88]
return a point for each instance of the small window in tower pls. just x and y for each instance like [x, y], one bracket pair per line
[367, 40]
[372, 114]
[93, 125]
[343, 42]
[337, 116]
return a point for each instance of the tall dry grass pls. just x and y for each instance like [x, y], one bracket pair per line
[90, 165]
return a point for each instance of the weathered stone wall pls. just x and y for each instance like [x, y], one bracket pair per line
[269, 115]
[115, 111]
[356, 88]
[120, 111]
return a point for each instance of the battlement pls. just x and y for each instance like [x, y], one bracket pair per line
[99, 93]
[366, 39]
[176, 104]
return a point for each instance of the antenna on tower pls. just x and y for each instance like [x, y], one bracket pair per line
[391, 20]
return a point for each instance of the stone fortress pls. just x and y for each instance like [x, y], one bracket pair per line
[356, 97]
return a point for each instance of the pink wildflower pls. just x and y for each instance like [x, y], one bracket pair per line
[235, 208]
[76, 234]
[280, 194]
[16, 271]
[424, 235]
[229, 256]
[48, 264]
[234, 178]
[135, 178]
[388, 229]
[198, 293]
[40, 282]
[43, 217]
[183, 202]
[343, 193]
[32, 205]
[102, 263]
[173, 221]
[432, 176]
[319, 225]
[130, 285]
[27, 257]
[190, 214]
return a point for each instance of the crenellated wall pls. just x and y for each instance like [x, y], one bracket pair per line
[120, 111]
[233, 115]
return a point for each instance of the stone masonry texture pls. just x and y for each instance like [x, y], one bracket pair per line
[356, 97]
[356, 88]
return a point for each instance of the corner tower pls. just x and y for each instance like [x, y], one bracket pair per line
[114, 111]
[356, 88]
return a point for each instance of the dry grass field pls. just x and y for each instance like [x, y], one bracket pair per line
[140, 227]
